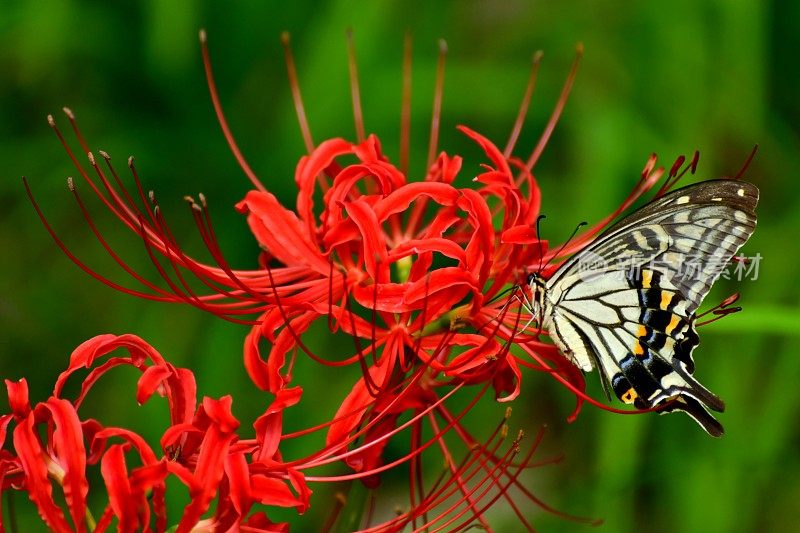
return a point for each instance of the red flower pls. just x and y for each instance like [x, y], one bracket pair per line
[200, 448]
[367, 261]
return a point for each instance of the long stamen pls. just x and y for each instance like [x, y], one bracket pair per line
[110, 250]
[405, 106]
[398, 394]
[74, 258]
[223, 123]
[437, 104]
[71, 117]
[746, 163]
[128, 198]
[299, 108]
[559, 108]
[675, 173]
[721, 310]
[523, 107]
[388, 466]
[470, 497]
[355, 91]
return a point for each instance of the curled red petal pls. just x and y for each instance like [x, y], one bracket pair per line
[483, 352]
[444, 169]
[372, 239]
[18, 397]
[120, 497]
[5, 420]
[238, 475]
[285, 342]
[271, 491]
[306, 174]
[354, 406]
[219, 411]
[175, 433]
[211, 460]
[145, 452]
[150, 380]
[494, 153]
[269, 426]
[508, 381]
[434, 244]
[85, 355]
[255, 365]
[281, 232]
[37, 484]
[523, 234]
[148, 484]
[70, 452]
[398, 200]
[480, 247]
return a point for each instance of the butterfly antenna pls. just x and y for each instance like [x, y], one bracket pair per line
[574, 232]
[502, 293]
[746, 163]
[539, 238]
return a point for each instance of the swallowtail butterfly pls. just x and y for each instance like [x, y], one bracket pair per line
[627, 302]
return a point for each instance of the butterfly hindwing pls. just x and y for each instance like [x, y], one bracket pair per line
[626, 303]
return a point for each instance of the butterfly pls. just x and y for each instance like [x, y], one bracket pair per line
[627, 302]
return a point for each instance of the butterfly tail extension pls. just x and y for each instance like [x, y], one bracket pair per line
[698, 412]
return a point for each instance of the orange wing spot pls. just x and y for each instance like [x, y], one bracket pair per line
[666, 299]
[630, 396]
[673, 323]
[638, 349]
[642, 331]
[647, 278]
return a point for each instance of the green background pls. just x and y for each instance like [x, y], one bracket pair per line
[657, 77]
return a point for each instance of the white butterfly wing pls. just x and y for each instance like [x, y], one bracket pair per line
[627, 302]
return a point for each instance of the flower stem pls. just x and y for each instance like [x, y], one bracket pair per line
[12, 512]
[352, 515]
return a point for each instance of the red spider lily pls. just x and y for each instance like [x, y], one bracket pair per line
[53, 445]
[365, 261]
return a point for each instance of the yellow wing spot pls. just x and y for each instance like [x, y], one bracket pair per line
[642, 332]
[638, 349]
[666, 299]
[740, 192]
[673, 323]
[647, 278]
[630, 396]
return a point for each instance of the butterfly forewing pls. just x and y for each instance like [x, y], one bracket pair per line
[627, 302]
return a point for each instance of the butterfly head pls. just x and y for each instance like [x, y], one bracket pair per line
[536, 286]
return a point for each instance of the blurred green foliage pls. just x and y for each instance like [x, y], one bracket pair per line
[657, 77]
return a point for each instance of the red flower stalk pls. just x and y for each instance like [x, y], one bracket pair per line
[366, 261]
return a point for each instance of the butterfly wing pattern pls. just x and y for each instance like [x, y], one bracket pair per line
[627, 302]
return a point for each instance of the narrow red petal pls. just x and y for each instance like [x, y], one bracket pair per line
[491, 151]
[269, 426]
[34, 464]
[18, 397]
[238, 475]
[281, 232]
[68, 445]
[372, 239]
[151, 379]
[270, 491]
[115, 475]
